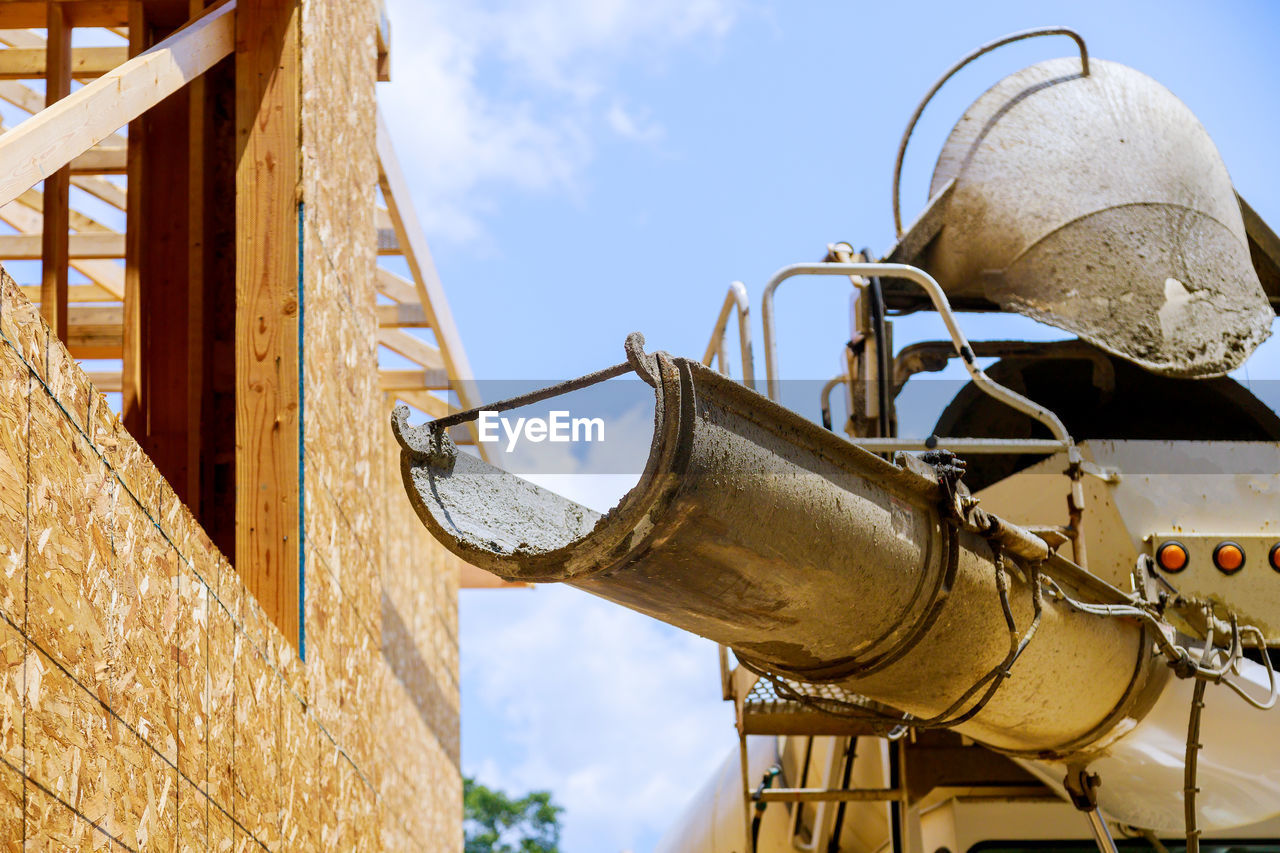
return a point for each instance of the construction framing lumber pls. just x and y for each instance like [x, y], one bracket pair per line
[30, 14]
[25, 215]
[426, 279]
[28, 247]
[413, 380]
[397, 288]
[50, 139]
[75, 293]
[54, 246]
[412, 348]
[100, 188]
[268, 334]
[30, 63]
[409, 315]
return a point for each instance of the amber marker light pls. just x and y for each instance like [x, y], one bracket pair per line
[1274, 556]
[1228, 557]
[1172, 556]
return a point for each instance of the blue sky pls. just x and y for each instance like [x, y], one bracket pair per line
[587, 168]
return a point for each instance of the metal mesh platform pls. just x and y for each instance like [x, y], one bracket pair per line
[800, 708]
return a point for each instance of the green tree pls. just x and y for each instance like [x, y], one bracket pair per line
[495, 823]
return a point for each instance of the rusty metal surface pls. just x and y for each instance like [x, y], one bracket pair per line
[810, 557]
[1100, 205]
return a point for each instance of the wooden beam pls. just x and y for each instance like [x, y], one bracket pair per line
[86, 62]
[105, 382]
[132, 380]
[413, 380]
[101, 189]
[32, 101]
[50, 139]
[404, 315]
[30, 14]
[411, 347]
[34, 199]
[395, 192]
[399, 289]
[425, 402]
[94, 332]
[54, 247]
[75, 293]
[101, 160]
[159, 346]
[268, 430]
[27, 247]
[25, 215]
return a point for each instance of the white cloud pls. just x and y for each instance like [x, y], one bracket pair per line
[617, 713]
[638, 128]
[487, 99]
[620, 715]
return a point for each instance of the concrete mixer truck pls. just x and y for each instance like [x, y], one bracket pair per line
[1047, 624]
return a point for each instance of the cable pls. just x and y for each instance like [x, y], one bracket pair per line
[1189, 788]
[850, 756]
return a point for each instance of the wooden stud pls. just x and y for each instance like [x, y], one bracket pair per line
[54, 248]
[268, 451]
[160, 349]
[132, 356]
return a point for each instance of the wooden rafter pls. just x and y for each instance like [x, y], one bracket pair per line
[431, 308]
[50, 139]
[24, 215]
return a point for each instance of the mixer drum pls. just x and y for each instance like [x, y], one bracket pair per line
[1099, 204]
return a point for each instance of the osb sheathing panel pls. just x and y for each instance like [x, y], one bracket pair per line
[146, 702]
[11, 820]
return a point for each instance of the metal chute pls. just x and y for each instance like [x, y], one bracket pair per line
[813, 559]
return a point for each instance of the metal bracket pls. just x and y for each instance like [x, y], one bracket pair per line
[1082, 786]
[1108, 475]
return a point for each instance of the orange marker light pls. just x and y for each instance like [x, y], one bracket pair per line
[1274, 556]
[1172, 556]
[1228, 557]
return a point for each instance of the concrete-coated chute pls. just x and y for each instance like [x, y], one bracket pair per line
[814, 560]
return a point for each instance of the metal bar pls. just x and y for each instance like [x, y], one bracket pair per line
[826, 401]
[963, 445]
[940, 304]
[951, 72]
[534, 396]
[832, 795]
[1102, 835]
[735, 298]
